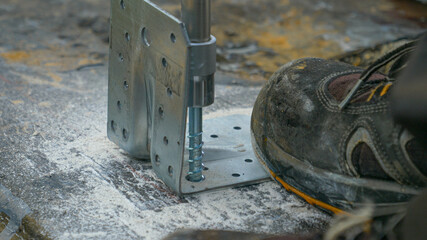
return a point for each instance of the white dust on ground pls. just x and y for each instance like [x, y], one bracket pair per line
[104, 210]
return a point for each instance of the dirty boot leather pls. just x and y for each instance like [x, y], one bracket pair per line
[338, 158]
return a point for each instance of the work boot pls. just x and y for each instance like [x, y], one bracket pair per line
[323, 129]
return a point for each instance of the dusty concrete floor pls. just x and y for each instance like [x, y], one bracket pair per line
[54, 152]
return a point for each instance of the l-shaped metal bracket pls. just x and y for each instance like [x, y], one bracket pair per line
[149, 69]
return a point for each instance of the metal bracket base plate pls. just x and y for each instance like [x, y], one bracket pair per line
[229, 158]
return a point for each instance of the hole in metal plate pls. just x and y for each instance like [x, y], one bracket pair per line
[145, 35]
[248, 160]
[165, 140]
[161, 111]
[170, 170]
[127, 36]
[164, 62]
[122, 4]
[235, 175]
[214, 136]
[237, 128]
[125, 134]
[113, 125]
[125, 85]
[173, 38]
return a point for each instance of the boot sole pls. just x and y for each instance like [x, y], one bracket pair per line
[334, 193]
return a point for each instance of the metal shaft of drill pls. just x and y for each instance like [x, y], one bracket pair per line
[196, 16]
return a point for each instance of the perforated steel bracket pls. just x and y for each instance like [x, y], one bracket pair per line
[147, 94]
[148, 68]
